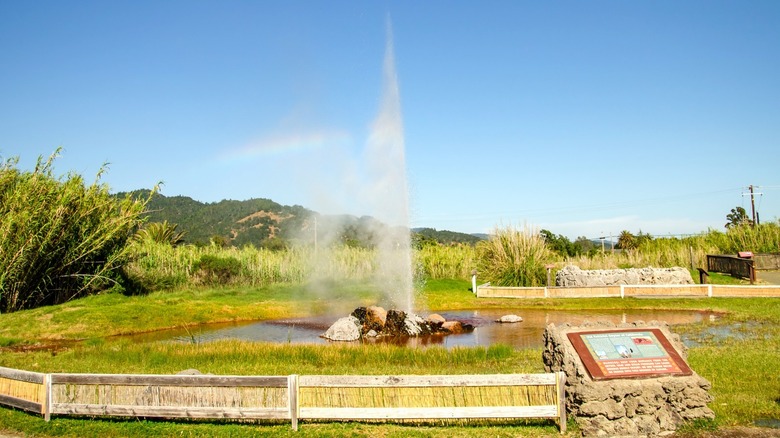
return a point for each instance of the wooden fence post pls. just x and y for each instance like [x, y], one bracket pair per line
[561, 386]
[292, 399]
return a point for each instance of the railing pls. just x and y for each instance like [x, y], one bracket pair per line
[732, 265]
[402, 397]
[622, 291]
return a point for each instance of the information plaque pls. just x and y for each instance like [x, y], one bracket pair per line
[628, 353]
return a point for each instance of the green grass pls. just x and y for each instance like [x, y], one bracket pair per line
[742, 368]
[232, 357]
[99, 428]
[114, 314]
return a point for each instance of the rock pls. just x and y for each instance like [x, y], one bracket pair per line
[395, 323]
[375, 319]
[435, 318]
[377, 314]
[573, 276]
[452, 327]
[344, 329]
[415, 326]
[189, 372]
[510, 319]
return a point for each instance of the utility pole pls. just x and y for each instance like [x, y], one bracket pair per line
[753, 211]
[752, 204]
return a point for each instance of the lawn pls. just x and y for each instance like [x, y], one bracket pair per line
[741, 366]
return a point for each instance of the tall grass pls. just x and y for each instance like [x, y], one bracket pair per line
[439, 261]
[162, 266]
[662, 252]
[59, 238]
[513, 257]
[510, 257]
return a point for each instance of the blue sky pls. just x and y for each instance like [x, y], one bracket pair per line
[583, 118]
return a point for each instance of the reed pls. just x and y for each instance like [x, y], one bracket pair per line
[60, 239]
[513, 257]
[160, 266]
[451, 261]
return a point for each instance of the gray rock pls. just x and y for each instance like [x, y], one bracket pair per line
[510, 319]
[344, 329]
[573, 276]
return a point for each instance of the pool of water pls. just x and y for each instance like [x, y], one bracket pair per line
[526, 334]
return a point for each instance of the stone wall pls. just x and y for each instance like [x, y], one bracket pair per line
[573, 276]
[625, 407]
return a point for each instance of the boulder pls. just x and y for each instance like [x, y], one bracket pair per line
[395, 324]
[573, 276]
[435, 318]
[510, 319]
[344, 329]
[375, 319]
[452, 327]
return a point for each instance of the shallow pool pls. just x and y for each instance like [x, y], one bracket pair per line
[526, 334]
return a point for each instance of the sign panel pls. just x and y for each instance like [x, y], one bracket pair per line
[627, 353]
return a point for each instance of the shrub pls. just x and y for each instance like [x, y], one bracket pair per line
[514, 258]
[215, 270]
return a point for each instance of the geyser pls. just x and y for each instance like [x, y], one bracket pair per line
[388, 191]
[374, 184]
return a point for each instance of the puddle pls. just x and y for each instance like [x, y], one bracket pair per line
[526, 334]
[772, 423]
[716, 334]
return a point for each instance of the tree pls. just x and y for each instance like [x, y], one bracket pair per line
[738, 217]
[560, 244]
[584, 245]
[626, 240]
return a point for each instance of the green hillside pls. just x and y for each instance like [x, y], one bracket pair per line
[236, 223]
[263, 222]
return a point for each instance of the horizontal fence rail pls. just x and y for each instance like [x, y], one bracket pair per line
[170, 396]
[622, 291]
[294, 397]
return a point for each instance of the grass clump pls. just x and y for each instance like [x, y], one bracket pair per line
[60, 239]
[512, 257]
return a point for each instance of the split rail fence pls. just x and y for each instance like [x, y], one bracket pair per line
[292, 398]
[622, 291]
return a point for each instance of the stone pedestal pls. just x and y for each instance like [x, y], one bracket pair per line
[639, 406]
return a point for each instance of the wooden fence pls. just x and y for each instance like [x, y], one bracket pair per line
[732, 265]
[622, 291]
[402, 397]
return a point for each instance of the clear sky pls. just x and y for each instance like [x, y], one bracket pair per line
[583, 118]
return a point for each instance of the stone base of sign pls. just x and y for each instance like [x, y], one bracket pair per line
[654, 406]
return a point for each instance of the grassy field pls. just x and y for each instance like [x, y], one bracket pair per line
[741, 366]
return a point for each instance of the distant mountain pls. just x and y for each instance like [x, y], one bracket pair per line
[445, 237]
[262, 222]
[236, 222]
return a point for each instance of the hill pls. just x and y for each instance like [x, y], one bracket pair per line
[263, 222]
[238, 223]
[445, 237]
